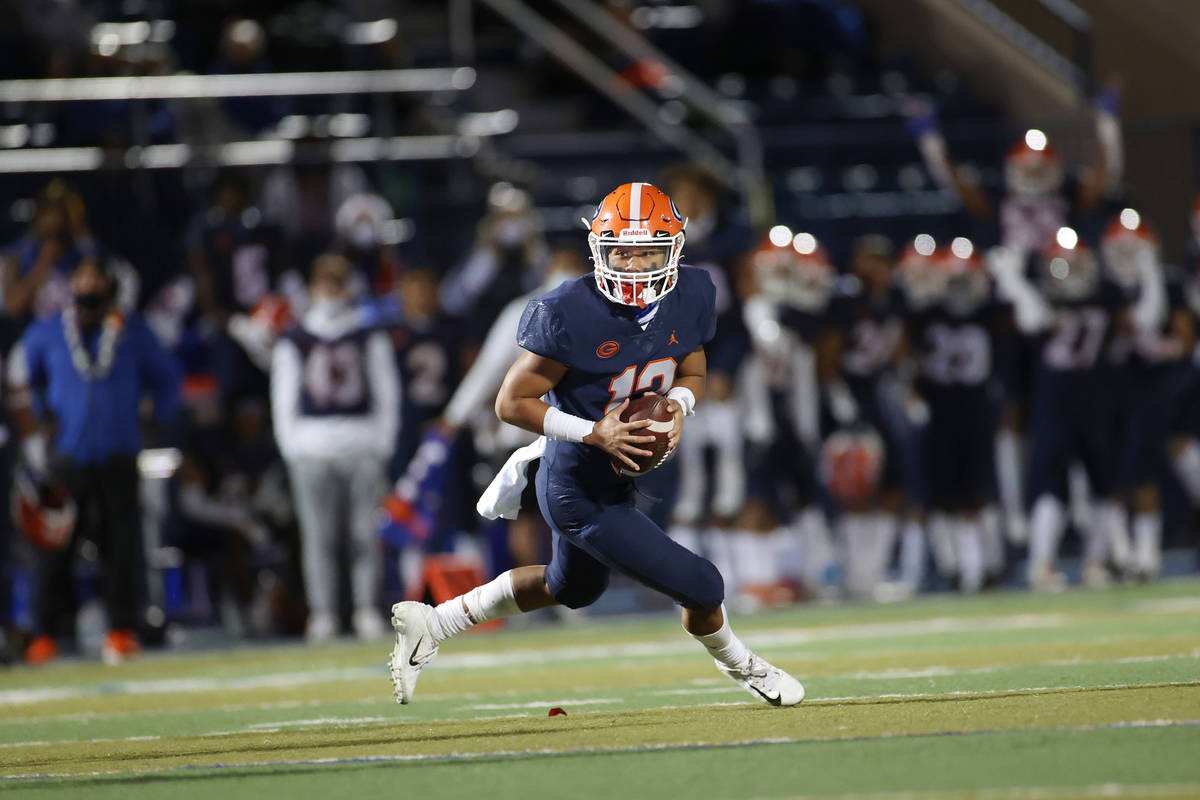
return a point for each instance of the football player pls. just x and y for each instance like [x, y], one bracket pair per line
[1038, 198]
[734, 538]
[335, 403]
[1185, 434]
[637, 325]
[1072, 312]
[1147, 383]
[787, 315]
[869, 334]
[953, 341]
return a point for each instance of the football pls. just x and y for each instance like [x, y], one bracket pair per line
[656, 409]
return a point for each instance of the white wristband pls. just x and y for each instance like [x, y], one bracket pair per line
[685, 398]
[558, 424]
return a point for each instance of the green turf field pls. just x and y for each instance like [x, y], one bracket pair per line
[1075, 695]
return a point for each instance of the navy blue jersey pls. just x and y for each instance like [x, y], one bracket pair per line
[608, 355]
[334, 379]
[428, 357]
[956, 355]
[1081, 333]
[808, 326]
[873, 326]
[243, 257]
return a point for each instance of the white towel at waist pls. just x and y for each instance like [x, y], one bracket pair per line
[502, 497]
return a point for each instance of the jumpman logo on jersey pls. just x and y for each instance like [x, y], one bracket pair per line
[672, 340]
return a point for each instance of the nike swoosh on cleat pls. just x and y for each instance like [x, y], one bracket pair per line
[413, 654]
[775, 701]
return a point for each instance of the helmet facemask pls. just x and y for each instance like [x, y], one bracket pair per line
[636, 269]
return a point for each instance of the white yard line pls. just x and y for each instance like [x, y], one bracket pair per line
[1019, 793]
[664, 746]
[599, 652]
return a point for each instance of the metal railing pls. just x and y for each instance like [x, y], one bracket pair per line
[744, 175]
[1075, 70]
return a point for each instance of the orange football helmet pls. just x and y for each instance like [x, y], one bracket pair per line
[42, 510]
[1068, 268]
[636, 238]
[794, 270]
[1124, 241]
[922, 283]
[851, 465]
[966, 281]
[1033, 165]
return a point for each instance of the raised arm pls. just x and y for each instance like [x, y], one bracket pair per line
[923, 125]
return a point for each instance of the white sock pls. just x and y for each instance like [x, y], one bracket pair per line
[724, 645]
[1147, 541]
[941, 541]
[883, 539]
[1111, 520]
[1008, 478]
[857, 538]
[485, 603]
[719, 550]
[912, 554]
[993, 545]
[970, 554]
[412, 562]
[746, 566]
[1045, 529]
[1079, 492]
[819, 550]
[788, 544]
[1187, 466]
[685, 536]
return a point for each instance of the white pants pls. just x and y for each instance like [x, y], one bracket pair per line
[334, 496]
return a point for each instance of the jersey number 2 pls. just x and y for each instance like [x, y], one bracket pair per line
[660, 370]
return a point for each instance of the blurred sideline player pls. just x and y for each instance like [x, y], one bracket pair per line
[1072, 312]
[1185, 434]
[1146, 386]
[1039, 198]
[335, 402]
[475, 393]
[870, 334]
[716, 495]
[953, 341]
[792, 286]
[637, 325]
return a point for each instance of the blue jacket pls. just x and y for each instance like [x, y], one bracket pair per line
[98, 419]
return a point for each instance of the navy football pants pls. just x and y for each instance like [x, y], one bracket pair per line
[598, 529]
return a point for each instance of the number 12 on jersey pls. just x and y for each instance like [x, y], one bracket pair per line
[656, 376]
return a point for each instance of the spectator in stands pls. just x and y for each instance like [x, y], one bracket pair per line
[243, 50]
[88, 368]
[509, 258]
[38, 266]
[234, 260]
[361, 225]
[335, 401]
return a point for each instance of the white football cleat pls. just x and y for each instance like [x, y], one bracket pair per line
[769, 684]
[415, 647]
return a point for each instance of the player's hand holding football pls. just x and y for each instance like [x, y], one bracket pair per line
[618, 438]
[677, 431]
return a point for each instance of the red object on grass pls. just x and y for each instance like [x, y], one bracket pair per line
[554, 712]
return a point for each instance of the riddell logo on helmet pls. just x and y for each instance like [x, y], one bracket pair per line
[607, 349]
[634, 233]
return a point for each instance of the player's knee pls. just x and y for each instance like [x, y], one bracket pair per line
[708, 588]
[581, 593]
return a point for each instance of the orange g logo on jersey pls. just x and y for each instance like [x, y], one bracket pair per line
[607, 349]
